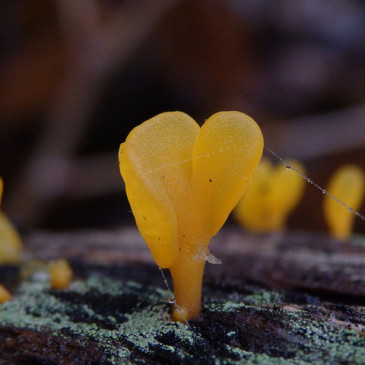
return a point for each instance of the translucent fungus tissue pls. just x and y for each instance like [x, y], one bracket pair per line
[347, 185]
[60, 274]
[273, 193]
[4, 295]
[182, 181]
[10, 242]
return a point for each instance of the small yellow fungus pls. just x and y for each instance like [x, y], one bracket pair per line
[348, 186]
[182, 181]
[10, 242]
[271, 196]
[60, 274]
[4, 295]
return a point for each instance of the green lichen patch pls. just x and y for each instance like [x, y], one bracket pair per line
[358, 239]
[272, 332]
[125, 322]
[125, 319]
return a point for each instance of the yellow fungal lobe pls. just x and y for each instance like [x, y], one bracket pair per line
[10, 242]
[4, 294]
[347, 185]
[182, 181]
[60, 274]
[273, 193]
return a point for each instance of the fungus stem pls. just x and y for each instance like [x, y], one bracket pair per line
[187, 276]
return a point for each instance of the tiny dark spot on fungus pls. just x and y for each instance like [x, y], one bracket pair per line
[184, 235]
[144, 218]
[210, 180]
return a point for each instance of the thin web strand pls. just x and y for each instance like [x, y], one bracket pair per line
[171, 299]
[310, 181]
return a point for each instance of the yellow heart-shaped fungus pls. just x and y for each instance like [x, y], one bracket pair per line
[182, 181]
[347, 185]
[10, 242]
[272, 194]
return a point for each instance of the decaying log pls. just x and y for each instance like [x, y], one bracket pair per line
[281, 299]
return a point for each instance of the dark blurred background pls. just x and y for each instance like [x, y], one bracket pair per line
[76, 76]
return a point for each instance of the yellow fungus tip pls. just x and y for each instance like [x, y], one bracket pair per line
[60, 274]
[10, 241]
[1, 189]
[4, 295]
[273, 193]
[348, 185]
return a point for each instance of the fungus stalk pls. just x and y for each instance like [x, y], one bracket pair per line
[182, 181]
[187, 276]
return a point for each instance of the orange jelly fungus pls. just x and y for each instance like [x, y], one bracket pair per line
[182, 181]
[347, 185]
[273, 193]
[61, 274]
[4, 295]
[10, 242]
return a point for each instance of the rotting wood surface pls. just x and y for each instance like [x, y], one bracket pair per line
[293, 298]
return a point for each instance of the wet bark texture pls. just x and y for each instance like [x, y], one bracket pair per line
[291, 298]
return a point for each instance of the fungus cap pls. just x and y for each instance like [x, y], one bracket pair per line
[272, 194]
[184, 180]
[4, 294]
[10, 242]
[347, 184]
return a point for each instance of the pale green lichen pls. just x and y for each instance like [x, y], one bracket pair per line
[250, 358]
[264, 297]
[35, 307]
[358, 239]
[125, 333]
[329, 345]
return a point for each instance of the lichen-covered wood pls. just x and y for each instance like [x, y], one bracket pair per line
[274, 300]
